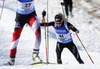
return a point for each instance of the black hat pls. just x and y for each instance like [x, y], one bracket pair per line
[58, 18]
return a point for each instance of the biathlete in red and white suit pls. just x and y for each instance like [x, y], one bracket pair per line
[25, 14]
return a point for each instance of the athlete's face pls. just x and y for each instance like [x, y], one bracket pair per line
[59, 24]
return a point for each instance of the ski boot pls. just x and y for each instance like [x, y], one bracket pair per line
[10, 62]
[81, 62]
[35, 56]
[59, 61]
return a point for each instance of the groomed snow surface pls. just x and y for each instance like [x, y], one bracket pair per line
[89, 35]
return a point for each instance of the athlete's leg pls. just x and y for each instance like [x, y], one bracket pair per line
[66, 7]
[16, 35]
[71, 46]
[34, 23]
[71, 7]
[59, 49]
[15, 40]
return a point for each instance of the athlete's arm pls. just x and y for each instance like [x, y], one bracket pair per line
[70, 26]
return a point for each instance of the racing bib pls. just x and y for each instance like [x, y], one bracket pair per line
[25, 7]
[64, 38]
[63, 35]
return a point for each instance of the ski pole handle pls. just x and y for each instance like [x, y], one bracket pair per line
[43, 13]
[62, 3]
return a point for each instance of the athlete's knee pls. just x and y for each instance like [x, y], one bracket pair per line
[38, 32]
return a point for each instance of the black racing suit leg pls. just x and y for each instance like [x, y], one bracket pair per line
[66, 2]
[59, 49]
[75, 52]
[70, 6]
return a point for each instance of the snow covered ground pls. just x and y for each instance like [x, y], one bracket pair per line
[88, 25]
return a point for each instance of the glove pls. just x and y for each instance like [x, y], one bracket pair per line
[77, 31]
[43, 13]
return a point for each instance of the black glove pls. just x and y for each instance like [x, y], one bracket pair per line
[43, 13]
[77, 31]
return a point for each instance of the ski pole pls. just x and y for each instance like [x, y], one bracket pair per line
[45, 40]
[2, 9]
[62, 4]
[47, 36]
[84, 48]
[43, 16]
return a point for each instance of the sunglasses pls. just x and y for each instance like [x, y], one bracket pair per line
[58, 23]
